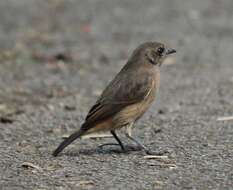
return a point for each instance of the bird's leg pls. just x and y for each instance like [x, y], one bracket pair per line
[117, 139]
[129, 135]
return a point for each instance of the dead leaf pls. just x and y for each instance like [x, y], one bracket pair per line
[31, 165]
[85, 183]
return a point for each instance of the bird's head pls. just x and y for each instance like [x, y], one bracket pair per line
[154, 52]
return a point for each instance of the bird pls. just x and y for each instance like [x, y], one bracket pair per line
[127, 97]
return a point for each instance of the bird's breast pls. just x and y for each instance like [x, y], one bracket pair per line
[135, 111]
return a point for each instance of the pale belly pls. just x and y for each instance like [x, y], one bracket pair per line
[132, 113]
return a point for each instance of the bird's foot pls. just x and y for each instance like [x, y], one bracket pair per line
[112, 144]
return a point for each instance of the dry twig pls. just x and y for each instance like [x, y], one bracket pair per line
[227, 118]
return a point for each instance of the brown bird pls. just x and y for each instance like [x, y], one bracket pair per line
[127, 97]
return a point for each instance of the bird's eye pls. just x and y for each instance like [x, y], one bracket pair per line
[160, 50]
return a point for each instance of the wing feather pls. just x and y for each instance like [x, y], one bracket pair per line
[124, 90]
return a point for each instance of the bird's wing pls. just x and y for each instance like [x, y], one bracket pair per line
[124, 90]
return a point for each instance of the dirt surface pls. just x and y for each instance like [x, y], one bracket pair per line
[56, 56]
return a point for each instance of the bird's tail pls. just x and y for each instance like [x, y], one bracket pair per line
[68, 141]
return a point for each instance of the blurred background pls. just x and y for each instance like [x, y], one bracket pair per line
[56, 56]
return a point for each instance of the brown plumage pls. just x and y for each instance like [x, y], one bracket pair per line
[128, 95]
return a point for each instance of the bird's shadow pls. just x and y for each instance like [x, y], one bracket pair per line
[104, 151]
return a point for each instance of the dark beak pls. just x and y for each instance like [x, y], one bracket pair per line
[170, 51]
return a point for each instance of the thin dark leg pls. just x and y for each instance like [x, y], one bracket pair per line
[129, 135]
[138, 143]
[117, 139]
[147, 151]
[119, 143]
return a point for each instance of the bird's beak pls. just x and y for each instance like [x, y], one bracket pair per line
[170, 51]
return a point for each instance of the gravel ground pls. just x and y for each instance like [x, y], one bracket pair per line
[56, 56]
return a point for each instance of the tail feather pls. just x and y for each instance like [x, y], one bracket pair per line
[68, 141]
